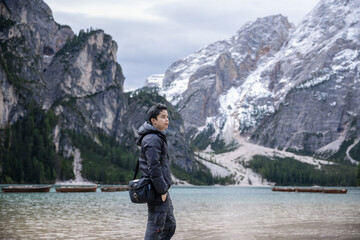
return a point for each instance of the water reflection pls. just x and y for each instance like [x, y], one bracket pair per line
[201, 212]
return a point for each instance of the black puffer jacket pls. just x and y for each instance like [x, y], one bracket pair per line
[153, 160]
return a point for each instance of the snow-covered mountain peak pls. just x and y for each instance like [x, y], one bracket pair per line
[242, 46]
[329, 21]
[245, 84]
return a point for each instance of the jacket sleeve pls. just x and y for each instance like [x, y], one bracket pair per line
[152, 150]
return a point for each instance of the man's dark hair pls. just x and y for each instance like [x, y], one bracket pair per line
[155, 110]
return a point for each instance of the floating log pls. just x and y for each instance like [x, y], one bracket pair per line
[76, 189]
[26, 189]
[115, 189]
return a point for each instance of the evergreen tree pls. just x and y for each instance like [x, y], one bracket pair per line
[28, 154]
[288, 171]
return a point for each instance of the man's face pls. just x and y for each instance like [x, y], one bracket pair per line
[162, 121]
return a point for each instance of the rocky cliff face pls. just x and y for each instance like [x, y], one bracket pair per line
[29, 39]
[281, 86]
[75, 76]
[85, 77]
[320, 65]
[60, 70]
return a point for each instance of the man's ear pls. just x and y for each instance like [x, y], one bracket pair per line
[153, 120]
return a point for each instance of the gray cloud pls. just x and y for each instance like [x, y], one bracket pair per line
[171, 29]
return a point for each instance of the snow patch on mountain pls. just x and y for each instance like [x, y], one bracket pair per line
[333, 146]
[344, 61]
[155, 80]
[216, 169]
[184, 68]
[245, 105]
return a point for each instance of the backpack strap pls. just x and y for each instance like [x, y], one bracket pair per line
[136, 169]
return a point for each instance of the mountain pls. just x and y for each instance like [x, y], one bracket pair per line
[62, 102]
[64, 114]
[203, 77]
[277, 85]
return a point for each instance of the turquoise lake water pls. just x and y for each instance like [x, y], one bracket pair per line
[215, 213]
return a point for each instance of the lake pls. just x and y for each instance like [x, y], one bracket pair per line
[215, 212]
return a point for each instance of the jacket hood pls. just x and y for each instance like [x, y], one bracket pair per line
[147, 128]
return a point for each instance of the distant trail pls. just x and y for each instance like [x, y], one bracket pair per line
[348, 152]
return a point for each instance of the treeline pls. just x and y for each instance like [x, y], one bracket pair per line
[290, 172]
[77, 42]
[147, 95]
[27, 152]
[28, 155]
[104, 160]
[200, 176]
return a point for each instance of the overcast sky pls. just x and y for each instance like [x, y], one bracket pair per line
[152, 34]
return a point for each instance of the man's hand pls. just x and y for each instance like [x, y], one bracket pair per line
[163, 197]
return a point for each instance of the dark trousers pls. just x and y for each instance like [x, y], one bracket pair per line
[161, 222]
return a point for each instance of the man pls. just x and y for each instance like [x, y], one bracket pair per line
[154, 163]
